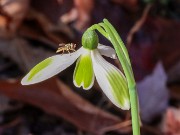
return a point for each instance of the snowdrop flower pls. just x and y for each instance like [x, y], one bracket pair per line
[90, 64]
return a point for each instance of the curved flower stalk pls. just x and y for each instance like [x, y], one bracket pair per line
[109, 32]
[90, 65]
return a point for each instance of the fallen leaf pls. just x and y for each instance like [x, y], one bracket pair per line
[6, 106]
[81, 14]
[167, 45]
[55, 8]
[168, 50]
[174, 81]
[13, 123]
[13, 12]
[138, 25]
[128, 4]
[22, 53]
[55, 98]
[39, 28]
[174, 74]
[174, 91]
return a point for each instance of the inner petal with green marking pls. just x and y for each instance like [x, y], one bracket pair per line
[119, 87]
[111, 81]
[83, 74]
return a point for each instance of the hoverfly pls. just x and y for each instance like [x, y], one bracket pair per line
[66, 47]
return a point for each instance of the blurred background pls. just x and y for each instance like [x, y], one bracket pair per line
[31, 30]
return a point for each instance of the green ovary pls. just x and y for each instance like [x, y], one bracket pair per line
[83, 74]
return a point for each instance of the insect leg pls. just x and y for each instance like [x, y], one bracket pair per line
[68, 51]
[62, 52]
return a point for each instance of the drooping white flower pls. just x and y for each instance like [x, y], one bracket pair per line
[90, 65]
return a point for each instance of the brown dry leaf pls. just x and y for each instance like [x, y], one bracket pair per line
[22, 53]
[12, 12]
[39, 28]
[138, 25]
[175, 91]
[6, 106]
[168, 49]
[55, 98]
[81, 13]
[174, 74]
[158, 39]
[129, 4]
[171, 122]
[150, 130]
[174, 81]
[10, 124]
[52, 9]
[167, 45]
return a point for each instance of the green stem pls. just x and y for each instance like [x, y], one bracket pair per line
[126, 65]
[134, 111]
[118, 39]
[100, 29]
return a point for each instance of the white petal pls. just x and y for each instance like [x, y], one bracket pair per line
[43, 71]
[111, 81]
[107, 51]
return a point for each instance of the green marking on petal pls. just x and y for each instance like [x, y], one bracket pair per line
[83, 74]
[39, 67]
[119, 88]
